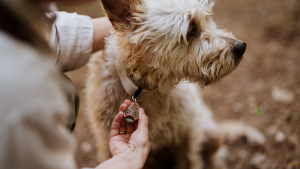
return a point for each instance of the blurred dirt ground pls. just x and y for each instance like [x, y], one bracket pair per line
[264, 91]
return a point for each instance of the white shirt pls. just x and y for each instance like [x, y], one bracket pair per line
[72, 40]
[33, 108]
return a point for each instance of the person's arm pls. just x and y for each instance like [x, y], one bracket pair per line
[75, 37]
[129, 150]
[102, 28]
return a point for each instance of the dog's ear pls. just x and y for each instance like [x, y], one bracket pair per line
[119, 12]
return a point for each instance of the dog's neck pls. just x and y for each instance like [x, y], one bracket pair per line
[148, 82]
[139, 74]
[130, 87]
[132, 60]
[143, 76]
[141, 83]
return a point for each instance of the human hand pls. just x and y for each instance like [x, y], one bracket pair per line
[134, 145]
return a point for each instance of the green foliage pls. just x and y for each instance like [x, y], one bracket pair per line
[259, 111]
[295, 116]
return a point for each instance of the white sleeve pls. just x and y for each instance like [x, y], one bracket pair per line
[33, 111]
[72, 40]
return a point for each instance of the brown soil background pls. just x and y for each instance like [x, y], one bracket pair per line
[271, 29]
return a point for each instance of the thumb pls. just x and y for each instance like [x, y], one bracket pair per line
[143, 120]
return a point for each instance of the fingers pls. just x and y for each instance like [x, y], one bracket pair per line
[119, 123]
[128, 102]
[115, 127]
[125, 105]
[123, 125]
[136, 125]
[143, 120]
[140, 138]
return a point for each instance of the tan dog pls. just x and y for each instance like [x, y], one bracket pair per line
[160, 44]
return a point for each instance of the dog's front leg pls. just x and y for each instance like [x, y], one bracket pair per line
[99, 106]
[211, 141]
[102, 143]
[194, 149]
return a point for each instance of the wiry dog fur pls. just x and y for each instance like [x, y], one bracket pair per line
[161, 44]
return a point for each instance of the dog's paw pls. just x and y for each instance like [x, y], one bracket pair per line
[233, 131]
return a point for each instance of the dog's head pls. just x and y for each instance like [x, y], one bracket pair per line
[171, 40]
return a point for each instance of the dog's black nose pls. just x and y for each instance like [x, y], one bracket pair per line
[239, 48]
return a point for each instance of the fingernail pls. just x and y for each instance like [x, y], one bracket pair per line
[142, 110]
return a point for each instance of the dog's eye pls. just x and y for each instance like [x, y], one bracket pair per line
[192, 31]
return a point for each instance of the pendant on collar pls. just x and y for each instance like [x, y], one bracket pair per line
[131, 115]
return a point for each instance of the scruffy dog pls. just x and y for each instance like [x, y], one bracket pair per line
[160, 45]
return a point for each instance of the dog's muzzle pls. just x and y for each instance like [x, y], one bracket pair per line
[239, 48]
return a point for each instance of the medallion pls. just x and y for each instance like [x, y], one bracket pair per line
[131, 115]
